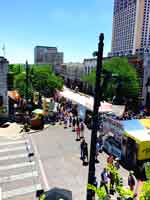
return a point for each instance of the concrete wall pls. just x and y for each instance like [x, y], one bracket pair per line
[3, 85]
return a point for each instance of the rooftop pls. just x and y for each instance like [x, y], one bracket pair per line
[46, 47]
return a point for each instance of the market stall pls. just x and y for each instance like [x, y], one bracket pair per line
[131, 140]
[84, 102]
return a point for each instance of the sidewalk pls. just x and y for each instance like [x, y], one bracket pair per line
[12, 132]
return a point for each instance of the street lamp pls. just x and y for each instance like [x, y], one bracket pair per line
[97, 99]
[27, 82]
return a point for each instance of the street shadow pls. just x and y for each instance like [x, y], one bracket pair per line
[58, 193]
[85, 163]
[4, 125]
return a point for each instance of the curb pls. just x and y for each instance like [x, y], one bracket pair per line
[36, 131]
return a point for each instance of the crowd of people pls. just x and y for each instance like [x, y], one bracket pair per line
[129, 115]
[109, 181]
[67, 116]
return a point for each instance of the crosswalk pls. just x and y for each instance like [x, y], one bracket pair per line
[19, 174]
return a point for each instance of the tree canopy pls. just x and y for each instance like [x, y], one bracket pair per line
[41, 79]
[119, 79]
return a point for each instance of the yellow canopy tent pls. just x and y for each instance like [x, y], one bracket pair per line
[145, 123]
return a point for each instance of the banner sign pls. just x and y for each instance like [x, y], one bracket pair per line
[114, 127]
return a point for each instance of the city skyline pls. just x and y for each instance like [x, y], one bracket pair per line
[73, 27]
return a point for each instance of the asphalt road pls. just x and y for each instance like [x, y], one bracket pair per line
[58, 155]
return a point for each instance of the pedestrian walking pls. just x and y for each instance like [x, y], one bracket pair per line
[78, 121]
[82, 129]
[117, 164]
[100, 141]
[131, 180]
[81, 148]
[95, 183]
[112, 182]
[66, 122]
[97, 151]
[78, 133]
[73, 124]
[110, 159]
[70, 120]
[104, 179]
[61, 117]
[85, 153]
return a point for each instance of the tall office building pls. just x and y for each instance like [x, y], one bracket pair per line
[131, 27]
[47, 55]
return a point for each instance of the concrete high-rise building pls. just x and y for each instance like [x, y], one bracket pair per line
[131, 27]
[47, 55]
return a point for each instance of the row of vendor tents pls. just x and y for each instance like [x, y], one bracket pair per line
[87, 102]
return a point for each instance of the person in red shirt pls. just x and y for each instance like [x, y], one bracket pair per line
[110, 159]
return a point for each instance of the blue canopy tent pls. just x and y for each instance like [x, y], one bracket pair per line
[132, 125]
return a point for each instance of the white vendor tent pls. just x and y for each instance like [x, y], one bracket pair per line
[84, 100]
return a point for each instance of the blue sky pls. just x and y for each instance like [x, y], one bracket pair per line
[71, 25]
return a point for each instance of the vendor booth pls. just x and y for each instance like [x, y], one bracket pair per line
[131, 140]
[37, 121]
[84, 105]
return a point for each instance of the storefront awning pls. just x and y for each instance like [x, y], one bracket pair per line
[14, 95]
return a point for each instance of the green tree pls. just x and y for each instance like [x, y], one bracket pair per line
[20, 84]
[41, 79]
[119, 79]
[145, 195]
[100, 192]
[45, 81]
[16, 68]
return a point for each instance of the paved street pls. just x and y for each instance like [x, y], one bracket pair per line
[56, 162]
[60, 155]
[19, 178]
